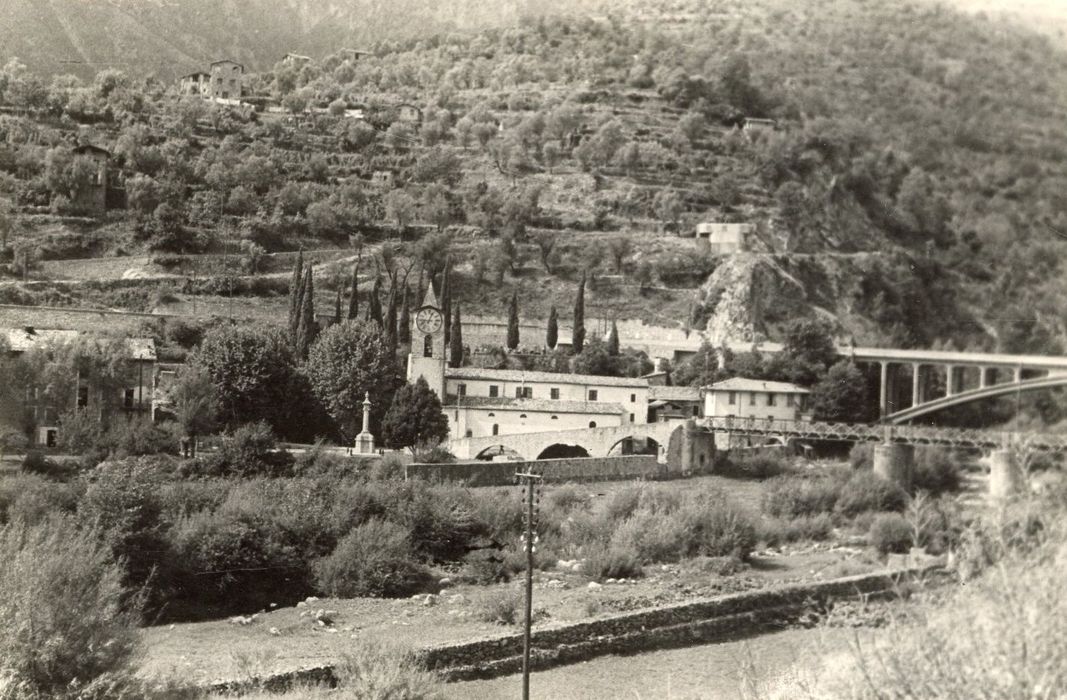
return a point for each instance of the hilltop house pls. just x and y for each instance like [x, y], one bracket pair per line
[408, 113]
[133, 395]
[295, 59]
[104, 188]
[725, 239]
[353, 55]
[227, 78]
[383, 179]
[753, 126]
[479, 402]
[195, 84]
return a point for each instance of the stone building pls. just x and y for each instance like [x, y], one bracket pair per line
[227, 79]
[195, 84]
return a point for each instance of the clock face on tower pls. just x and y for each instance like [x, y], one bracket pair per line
[428, 320]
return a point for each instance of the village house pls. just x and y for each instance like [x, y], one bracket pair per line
[195, 84]
[295, 59]
[408, 113]
[674, 404]
[102, 191]
[353, 55]
[753, 126]
[134, 394]
[383, 179]
[227, 78]
[743, 398]
[479, 402]
[725, 239]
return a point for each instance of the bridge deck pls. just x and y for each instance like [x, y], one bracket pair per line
[908, 434]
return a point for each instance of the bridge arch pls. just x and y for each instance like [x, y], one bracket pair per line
[634, 445]
[980, 394]
[560, 450]
[498, 450]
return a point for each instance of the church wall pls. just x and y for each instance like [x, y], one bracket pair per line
[480, 421]
[567, 392]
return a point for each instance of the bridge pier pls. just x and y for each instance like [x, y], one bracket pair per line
[894, 462]
[1005, 476]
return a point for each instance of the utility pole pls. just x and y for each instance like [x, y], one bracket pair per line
[530, 480]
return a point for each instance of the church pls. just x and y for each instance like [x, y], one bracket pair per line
[480, 402]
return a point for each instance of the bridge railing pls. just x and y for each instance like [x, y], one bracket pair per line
[868, 432]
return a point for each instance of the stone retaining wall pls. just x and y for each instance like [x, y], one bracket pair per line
[571, 469]
[670, 626]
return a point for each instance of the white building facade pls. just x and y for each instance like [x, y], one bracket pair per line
[742, 398]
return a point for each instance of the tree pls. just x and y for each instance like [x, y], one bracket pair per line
[306, 327]
[546, 241]
[668, 206]
[810, 350]
[403, 330]
[595, 359]
[7, 224]
[841, 395]
[455, 344]
[337, 304]
[374, 308]
[296, 285]
[613, 340]
[353, 295]
[252, 370]
[552, 333]
[196, 403]
[620, 248]
[415, 419]
[513, 322]
[348, 361]
[389, 330]
[400, 207]
[446, 299]
[578, 332]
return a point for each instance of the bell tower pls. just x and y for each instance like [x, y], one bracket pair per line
[427, 356]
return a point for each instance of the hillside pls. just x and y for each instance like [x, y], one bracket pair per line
[916, 174]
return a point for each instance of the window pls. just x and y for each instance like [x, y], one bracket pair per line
[592, 394]
[494, 391]
[461, 389]
[555, 417]
[83, 396]
[553, 393]
[127, 398]
[469, 433]
[592, 424]
[427, 346]
[752, 399]
[631, 418]
[732, 398]
[789, 400]
[492, 415]
[524, 392]
[633, 398]
[522, 415]
[496, 429]
[770, 398]
[696, 411]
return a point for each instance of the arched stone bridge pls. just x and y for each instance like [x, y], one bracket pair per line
[595, 442]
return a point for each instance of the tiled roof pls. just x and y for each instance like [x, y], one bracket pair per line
[533, 405]
[674, 393]
[744, 384]
[518, 375]
[23, 339]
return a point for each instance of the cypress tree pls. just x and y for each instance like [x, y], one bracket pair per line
[578, 334]
[613, 340]
[337, 305]
[295, 288]
[513, 322]
[455, 345]
[446, 298]
[389, 327]
[305, 333]
[552, 335]
[403, 331]
[374, 313]
[353, 299]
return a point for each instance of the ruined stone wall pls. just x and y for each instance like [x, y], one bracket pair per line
[571, 469]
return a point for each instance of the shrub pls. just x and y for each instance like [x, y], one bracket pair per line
[937, 470]
[248, 451]
[654, 538]
[63, 624]
[623, 502]
[141, 437]
[612, 562]
[803, 528]
[376, 671]
[865, 492]
[718, 566]
[890, 532]
[715, 527]
[861, 456]
[36, 463]
[566, 497]
[388, 468]
[756, 467]
[32, 499]
[503, 607]
[375, 559]
[795, 496]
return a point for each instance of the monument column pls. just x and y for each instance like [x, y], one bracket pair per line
[365, 440]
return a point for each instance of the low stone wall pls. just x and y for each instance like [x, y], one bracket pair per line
[571, 469]
[700, 621]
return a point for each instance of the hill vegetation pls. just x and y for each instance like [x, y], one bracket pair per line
[923, 138]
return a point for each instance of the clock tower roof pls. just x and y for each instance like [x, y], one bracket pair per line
[430, 299]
